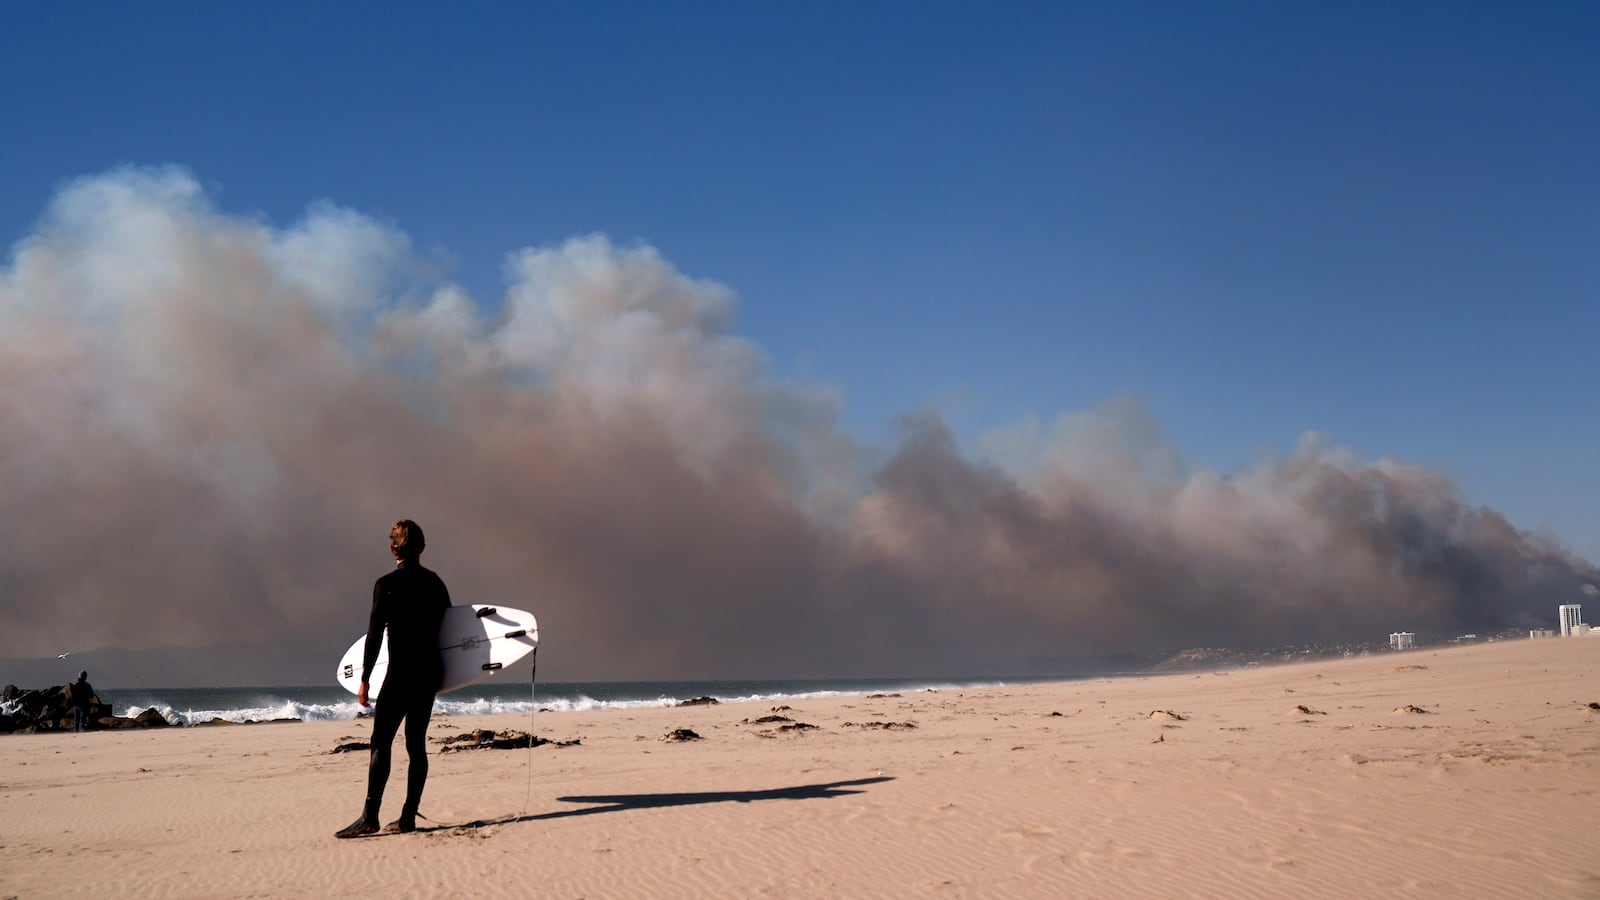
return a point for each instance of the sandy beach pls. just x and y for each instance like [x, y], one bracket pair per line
[1470, 771]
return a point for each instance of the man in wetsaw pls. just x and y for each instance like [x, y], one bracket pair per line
[410, 602]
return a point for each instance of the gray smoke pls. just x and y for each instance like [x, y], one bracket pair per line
[207, 425]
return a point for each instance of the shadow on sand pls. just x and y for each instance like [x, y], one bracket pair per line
[626, 802]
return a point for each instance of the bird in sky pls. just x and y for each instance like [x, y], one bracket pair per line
[65, 655]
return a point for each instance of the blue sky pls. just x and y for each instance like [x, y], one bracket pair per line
[1377, 221]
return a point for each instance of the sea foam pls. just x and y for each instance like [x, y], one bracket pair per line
[330, 704]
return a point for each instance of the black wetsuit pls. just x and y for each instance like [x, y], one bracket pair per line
[410, 603]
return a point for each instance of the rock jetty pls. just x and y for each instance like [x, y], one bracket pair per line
[24, 711]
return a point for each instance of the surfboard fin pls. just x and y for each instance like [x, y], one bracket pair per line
[487, 611]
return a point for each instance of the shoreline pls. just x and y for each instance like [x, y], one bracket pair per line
[507, 692]
[322, 703]
[1312, 779]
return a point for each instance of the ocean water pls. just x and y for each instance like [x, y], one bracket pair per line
[193, 706]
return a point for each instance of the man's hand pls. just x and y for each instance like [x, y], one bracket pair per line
[361, 695]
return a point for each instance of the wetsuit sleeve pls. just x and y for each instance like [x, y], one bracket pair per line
[376, 623]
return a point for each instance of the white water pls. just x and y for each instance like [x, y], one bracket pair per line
[198, 706]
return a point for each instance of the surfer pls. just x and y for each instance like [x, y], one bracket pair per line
[410, 602]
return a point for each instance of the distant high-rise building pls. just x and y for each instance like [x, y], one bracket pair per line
[1402, 640]
[1571, 616]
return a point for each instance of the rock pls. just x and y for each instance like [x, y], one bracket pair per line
[700, 701]
[50, 709]
[151, 718]
[681, 734]
[32, 704]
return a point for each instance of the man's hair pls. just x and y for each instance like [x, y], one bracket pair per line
[406, 539]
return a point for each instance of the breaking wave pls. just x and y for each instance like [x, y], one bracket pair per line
[198, 706]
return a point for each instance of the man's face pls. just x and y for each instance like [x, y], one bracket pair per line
[395, 537]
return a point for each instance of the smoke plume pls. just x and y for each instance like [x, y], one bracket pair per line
[207, 425]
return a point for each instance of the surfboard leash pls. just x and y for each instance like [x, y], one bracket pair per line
[533, 706]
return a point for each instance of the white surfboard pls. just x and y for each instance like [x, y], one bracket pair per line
[475, 643]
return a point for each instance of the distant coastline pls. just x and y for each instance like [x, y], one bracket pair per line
[278, 704]
[195, 706]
